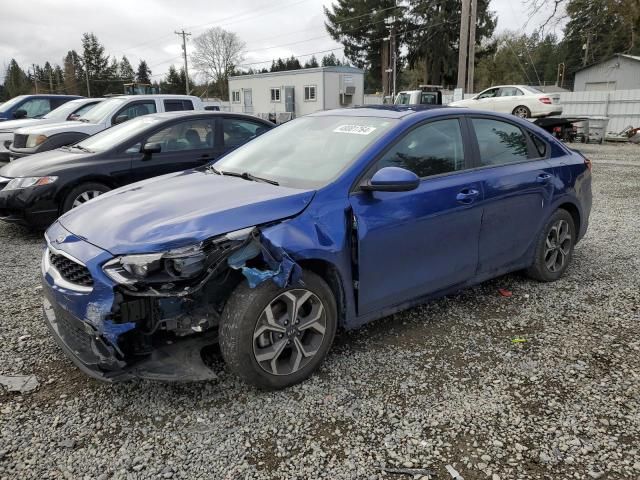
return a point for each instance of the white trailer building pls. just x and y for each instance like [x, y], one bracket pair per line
[298, 92]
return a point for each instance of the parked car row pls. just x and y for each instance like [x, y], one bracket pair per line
[267, 240]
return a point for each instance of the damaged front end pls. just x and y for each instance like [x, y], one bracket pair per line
[150, 315]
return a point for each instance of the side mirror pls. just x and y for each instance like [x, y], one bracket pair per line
[20, 113]
[150, 148]
[120, 119]
[392, 179]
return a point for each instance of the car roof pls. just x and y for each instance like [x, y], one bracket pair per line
[155, 95]
[381, 111]
[203, 113]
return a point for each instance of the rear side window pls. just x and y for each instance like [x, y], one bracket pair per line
[177, 105]
[499, 142]
[540, 146]
[431, 149]
[237, 132]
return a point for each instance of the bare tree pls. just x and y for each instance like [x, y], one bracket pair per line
[217, 53]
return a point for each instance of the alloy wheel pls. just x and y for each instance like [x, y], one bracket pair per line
[289, 332]
[521, 112]
[557, 246]
[84, 197]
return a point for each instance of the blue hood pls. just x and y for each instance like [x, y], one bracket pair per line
[180, 209]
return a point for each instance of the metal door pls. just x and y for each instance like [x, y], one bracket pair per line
[248, 101]
[289, 100]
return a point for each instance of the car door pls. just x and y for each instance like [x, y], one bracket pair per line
[518, 186]
[238, 131]
[508, 99]
[183, 144]
[421, 241]
[486, 100]
[134, 109]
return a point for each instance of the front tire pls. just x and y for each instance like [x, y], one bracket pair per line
[82, 194]
[275, 337]
[522, 112]
[554, 248]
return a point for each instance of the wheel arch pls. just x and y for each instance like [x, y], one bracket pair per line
[95, 178]
[575, 214]
[330, 274]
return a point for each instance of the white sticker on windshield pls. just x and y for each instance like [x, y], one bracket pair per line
[355, 129]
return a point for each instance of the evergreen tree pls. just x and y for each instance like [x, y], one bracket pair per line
[173, 83]
[311, 63]
[126, 70]
[144, 73]
[73, 74]
[292, 63]
[360, 25]
[330, 60]
[96, 64]
[16, 81]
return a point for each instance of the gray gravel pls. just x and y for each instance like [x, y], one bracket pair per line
[440, 384]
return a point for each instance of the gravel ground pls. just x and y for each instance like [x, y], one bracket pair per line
[439, 384]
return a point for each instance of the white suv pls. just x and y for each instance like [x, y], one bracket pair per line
[35, 139]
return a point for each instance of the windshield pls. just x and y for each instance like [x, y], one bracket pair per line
[308, 152]
[114, 136]
[97, 114]
[63, 111]
[14, 101]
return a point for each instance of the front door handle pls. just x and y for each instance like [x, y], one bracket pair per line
[543, 177]
[468, 195]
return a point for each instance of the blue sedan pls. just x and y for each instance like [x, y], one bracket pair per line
[330, 221]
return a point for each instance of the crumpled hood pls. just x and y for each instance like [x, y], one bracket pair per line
[180, 209]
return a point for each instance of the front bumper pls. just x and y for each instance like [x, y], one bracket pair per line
[81, 322]
[33, 206]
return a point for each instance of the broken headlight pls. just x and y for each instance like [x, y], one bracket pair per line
[174, 265]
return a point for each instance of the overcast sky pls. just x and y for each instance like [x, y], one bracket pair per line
[34, 31]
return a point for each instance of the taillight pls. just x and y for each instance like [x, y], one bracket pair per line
[587, 163]
[545, 100]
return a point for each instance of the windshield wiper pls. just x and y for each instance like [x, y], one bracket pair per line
[245, 176]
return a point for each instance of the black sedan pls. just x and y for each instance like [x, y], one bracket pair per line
[37, 189]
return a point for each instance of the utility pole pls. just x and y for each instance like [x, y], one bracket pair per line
[184, 36]
[586, 51]
[393, 58]
[472, 45]
[50, 81]
[35, 77]
[560, 76]
[464, 44]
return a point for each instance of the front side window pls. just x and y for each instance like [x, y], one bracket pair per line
[310, 93]
[431, 149]
[185, 136]
[36, 107]
[308, 152]
[235, 96]
[403, 99]
[499, 142]
[237, 132]
[137, 109]
[492, 92]
[275, 94]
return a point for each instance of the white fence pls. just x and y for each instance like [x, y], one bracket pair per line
[621, 106]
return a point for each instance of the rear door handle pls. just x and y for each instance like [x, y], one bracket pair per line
[543, 177]
[468, 195]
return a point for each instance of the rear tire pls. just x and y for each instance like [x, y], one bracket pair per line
[262, 346]
[83, 193]
[554, 248]
[522, 112]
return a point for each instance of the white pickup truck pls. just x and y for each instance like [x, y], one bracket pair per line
[115, 110]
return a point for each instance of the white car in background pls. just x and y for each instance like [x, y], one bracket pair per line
[520, 100]
[70, 110]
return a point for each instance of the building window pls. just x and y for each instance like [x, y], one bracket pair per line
[275, 94]
[310, 93]
[235, 96]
